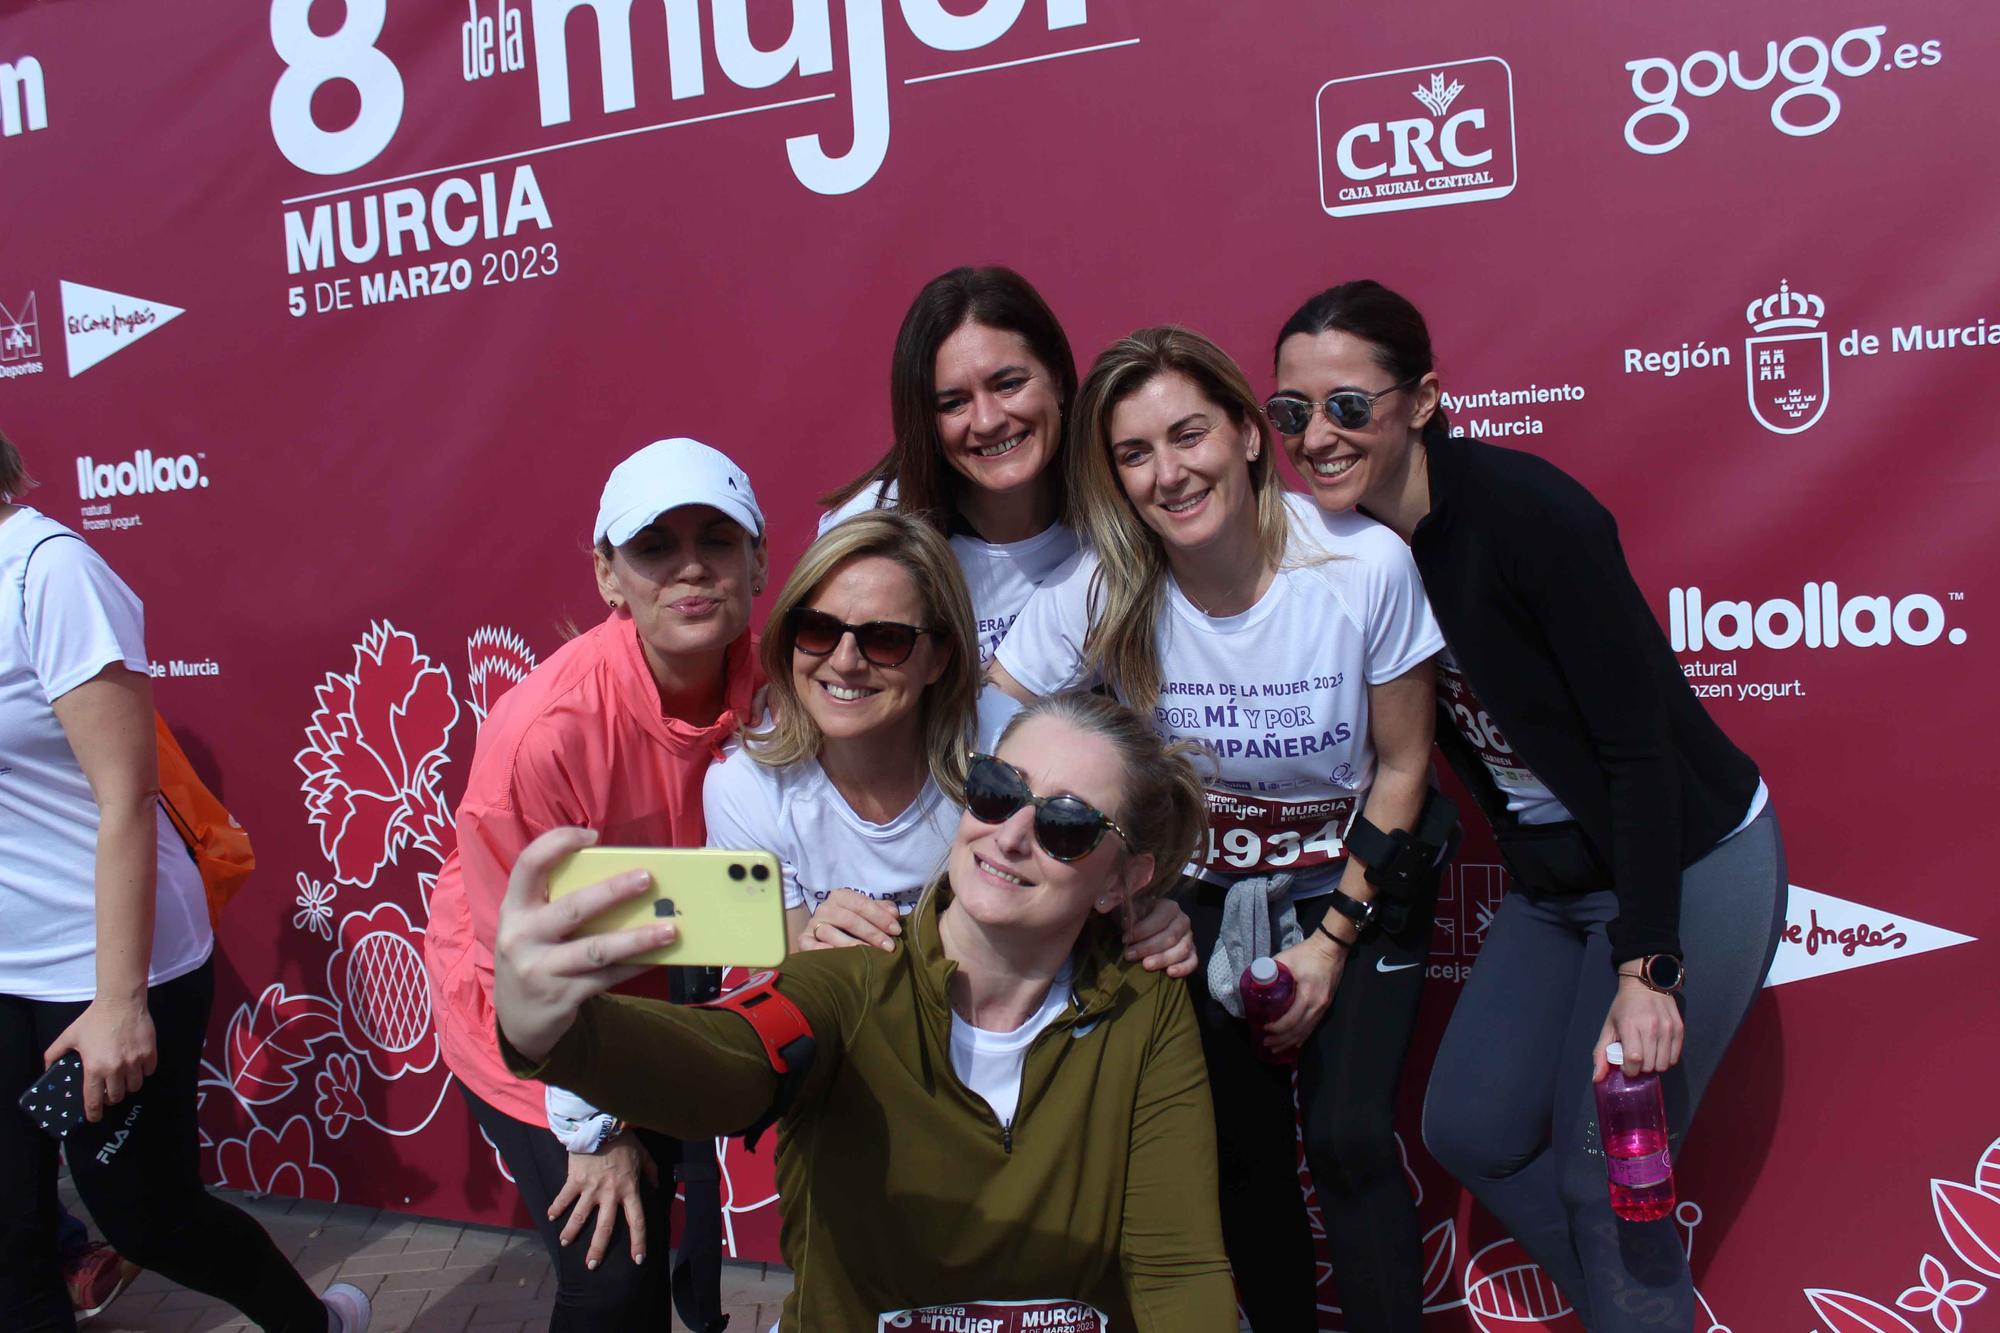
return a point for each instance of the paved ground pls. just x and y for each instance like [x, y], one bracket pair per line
[423, 1276]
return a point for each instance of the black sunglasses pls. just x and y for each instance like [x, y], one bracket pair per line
[886, 643]
[1349, 409]
[1068, 829]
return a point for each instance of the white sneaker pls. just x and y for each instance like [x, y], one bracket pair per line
[346, 1308]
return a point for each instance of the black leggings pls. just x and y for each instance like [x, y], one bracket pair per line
[139, 1172]
[618, 1296]
[1348, 1072]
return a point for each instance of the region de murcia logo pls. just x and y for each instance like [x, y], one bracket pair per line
[1787, 372]
[1375, 157]
[20, 332]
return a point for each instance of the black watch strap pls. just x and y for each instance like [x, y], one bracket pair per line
[1360, 913]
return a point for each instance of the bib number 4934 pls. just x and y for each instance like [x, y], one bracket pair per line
[1243, 848]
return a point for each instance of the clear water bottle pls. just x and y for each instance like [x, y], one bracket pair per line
[1268, 990]
[1632, 1124]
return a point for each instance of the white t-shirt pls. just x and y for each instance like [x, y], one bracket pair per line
[64, 617]
[821, 844]
[990, 1063]
[798, 815]
[1279, 693]
[999, 576]
[1527, 795]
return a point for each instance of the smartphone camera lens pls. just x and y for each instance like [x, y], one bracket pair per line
[736, 871]
[760, 873]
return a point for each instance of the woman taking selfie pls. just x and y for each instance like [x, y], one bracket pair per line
[857, 775]
[980, 381]
[1649, 874]
[1295, 646]
[1001, 1112]
[614, 732]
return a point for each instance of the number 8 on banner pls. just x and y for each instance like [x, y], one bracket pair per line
[311, 61]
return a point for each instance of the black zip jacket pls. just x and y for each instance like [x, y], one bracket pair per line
[1527, 578]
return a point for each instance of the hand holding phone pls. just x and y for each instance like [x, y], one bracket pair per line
[729, 906]
[550, 956]
[55, 1100]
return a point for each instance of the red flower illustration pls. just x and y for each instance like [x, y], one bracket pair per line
[1988, 1176]
[1507, 1291]
[280, 1163]
[267, 1041]
[1938, 1295]
[1970, 1220]
[373, 754]
[339, 1099]
[377, 977]
[1844, 1312]
[496, 660]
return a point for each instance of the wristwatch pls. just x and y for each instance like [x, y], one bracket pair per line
[1661, 972]
[1362, 914]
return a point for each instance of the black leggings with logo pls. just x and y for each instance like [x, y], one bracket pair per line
[1348, 1073]
[139, 1172]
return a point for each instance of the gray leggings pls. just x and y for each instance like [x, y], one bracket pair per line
[1510, 1110]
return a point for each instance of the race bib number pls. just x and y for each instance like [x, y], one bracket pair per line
[1250, 835]
[998, 1317]
[1456, 697]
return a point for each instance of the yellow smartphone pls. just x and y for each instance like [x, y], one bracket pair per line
[730, 906]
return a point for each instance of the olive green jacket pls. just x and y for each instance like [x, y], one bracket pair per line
[897, 1186]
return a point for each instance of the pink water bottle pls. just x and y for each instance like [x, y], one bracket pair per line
[1268, 990]
[1632, 1122]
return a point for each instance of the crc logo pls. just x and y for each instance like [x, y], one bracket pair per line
[1379, 155]
[1787, 372]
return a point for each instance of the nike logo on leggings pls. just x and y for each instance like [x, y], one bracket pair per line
[1384, 965]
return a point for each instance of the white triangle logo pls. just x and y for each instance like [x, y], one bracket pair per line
[97, 323]
[1827, 934]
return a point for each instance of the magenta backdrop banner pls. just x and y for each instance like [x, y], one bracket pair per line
[324, 323]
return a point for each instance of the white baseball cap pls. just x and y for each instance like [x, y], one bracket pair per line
[670, 474]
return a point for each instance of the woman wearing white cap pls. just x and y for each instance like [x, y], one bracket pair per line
[615, 733]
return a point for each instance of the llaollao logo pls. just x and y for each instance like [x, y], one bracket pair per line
[1820, 617]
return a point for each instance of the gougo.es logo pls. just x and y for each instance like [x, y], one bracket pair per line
[1807, 105]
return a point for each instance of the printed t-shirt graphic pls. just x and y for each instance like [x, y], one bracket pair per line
[999, 576]
[1279, 693]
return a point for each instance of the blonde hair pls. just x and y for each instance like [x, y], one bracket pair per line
[1162, 807]
[14, 478]
[1129, 587]
[949, 707]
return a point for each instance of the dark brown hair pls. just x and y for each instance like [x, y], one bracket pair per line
[992, 296]
[1387, 322]
[14, 479]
